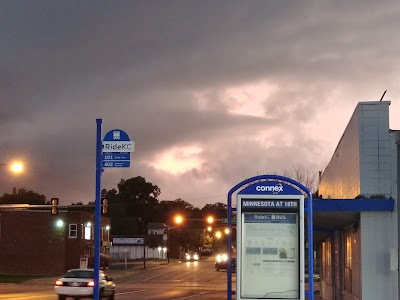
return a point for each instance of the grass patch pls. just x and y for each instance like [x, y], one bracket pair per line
[15, 278]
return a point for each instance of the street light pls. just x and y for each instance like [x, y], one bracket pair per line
[59, 223]
[210, 219]
[178, 219]
[15, 167]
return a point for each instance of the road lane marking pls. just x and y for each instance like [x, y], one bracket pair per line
[191, 296]
[27, 296]
[127, 293]
[149, 278]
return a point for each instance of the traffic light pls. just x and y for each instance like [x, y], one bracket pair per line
[54, 208]
[105, 206]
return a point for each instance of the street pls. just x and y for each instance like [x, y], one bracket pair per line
[159, 281]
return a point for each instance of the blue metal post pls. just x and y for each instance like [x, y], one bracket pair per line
[97, 227]
[310, 247]
[228, 269]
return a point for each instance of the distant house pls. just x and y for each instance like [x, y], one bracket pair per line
[36, 242]
[156, 228]
[151, 245]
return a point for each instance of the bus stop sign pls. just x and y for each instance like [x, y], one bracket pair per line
[270, 242]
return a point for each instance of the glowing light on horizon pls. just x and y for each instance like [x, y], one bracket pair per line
[179, 160]
[17, 167]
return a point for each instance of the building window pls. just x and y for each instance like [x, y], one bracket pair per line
[88, 232]
[107, 237]
[73, 231]
[348, 260]
[327, 262]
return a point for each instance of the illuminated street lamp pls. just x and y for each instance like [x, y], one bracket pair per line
[218, 234]
[209, 228]
[59, 223]
[210, 219]
[226, 230]
[178, 219]
[16, 167]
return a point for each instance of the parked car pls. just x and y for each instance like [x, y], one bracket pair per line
[206, 252]
[79, 283]
[222, 262]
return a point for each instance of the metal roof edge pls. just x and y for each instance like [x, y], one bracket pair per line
[359, 205]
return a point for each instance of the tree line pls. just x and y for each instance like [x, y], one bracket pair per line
[134, 204]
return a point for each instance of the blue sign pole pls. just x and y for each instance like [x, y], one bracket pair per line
[310, 247]
[97, 226]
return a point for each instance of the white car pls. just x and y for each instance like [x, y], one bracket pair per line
[78, 283]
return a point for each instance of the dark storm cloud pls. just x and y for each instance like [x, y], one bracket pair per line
[139, 66]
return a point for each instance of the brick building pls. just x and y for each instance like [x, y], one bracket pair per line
[36, 242]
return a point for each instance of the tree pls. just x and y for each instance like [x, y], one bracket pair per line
[132, 205]
[306, 178]
[217, 210]
[23, 196]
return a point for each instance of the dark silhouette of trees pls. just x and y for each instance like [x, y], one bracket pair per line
[23, 196]
[132, 205]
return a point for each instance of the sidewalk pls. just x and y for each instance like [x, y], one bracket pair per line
[316, 291]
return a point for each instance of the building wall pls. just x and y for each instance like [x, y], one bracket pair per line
[341, 178]
[377, 278]
[135, 252]
[30, 243]
[396, 192]
[365, 164]
[379, 230]
[375, 151]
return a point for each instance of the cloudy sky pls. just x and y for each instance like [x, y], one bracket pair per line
[212, 92]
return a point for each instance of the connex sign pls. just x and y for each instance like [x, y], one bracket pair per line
[275, 189]
[270, 187]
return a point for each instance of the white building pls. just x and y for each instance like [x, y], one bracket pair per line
[359, 252]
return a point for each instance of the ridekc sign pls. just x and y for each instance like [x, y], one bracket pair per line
[117, 148]
[270, 242]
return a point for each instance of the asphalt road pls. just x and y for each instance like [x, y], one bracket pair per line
[177, 280]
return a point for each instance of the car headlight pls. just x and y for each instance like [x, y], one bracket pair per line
[222, 257]
[196, 257]
[188, 256]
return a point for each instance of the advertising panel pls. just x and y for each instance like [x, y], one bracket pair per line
[270, 235]
[270, 258]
